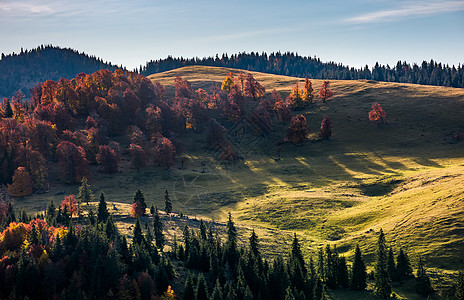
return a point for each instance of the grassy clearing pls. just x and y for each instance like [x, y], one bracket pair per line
[405, 177]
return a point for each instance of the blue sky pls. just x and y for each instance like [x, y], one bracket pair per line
[130, 33]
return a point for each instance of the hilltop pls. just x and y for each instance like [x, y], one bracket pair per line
[23, 70]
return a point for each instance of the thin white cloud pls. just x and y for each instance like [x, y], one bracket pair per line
[408, 11]
[28, 8]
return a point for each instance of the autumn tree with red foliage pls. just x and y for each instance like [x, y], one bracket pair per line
[137, 210]
[164, 152]
[377, 114]
[326, 128]
[298, 131]
[71, 205]
[233, 107]
[138, 156]
[107, 160]
[72, 162]
[253, 88]
[283, 113]
[324, 92]
[183, 88]
[22, 183]
[153, 120]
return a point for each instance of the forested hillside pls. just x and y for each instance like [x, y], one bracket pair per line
[291, 64]
[20, 71]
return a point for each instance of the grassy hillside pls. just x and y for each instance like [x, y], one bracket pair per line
[405, 177]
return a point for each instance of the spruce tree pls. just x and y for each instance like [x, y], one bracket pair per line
[423, 285]
[254, 244]
[8, 112]
[158, 230]
[189, 291]
[139, 197]
[382, 280]
[138, 235]
[102, 214]
[202, 230]
[403, 266]
[358, 272]
[51, 213]
[85, 192]
[460, 286]
[391, 266]
[342, 272]
[217, 292]
[167, 203]
[296, 255]
[231, 232]
[201, 292]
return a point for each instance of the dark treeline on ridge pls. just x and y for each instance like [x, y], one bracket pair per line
[292, 64]
[21, 71]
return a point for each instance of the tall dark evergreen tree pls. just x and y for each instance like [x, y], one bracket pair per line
[102, 214]
[403, 266]
[382, 279]
[85, 193]
[254, 244]
[423, 285]
[231, 232]
[167, 203]
[391, 266]
[189, 291]
[139, 197]
[138, 235]
[201, 292]
[459, 294]
[158, 230]
[8, 112]
[358, 272]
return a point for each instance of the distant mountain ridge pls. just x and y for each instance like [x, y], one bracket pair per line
[23, 70]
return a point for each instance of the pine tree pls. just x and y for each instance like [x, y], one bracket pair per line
[7, 111]
[201, 292]
[297, 255]
[391, 266]
[167, 203]
[460, 286]
[254, 244]
[85, 192]
[138, 197]
[217, 292]
[51, 213]
[382, 280]
[102, 214]
[158, 230]
[403, 266]
[138, 235]
[231, 232]
[202, 230]
[423, 285]
[189, 292]
[358, 272]
[342, 272]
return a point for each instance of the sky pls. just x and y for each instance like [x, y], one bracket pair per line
[132, 32]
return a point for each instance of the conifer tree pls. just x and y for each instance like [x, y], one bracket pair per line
[167, 202]
[85, 192]
[403, 266]
[297, 255]
[254, 244]
[138, 235]
[201, 291]
[358, 272]
[342, 272]
[217, 292]
[102, 214]
[460, 286]
[231, 232]
[189, 291]
[138, 197]
[158, 230]
[391, 266]
[382, 280]
[320, 263]
[7, 111]
[423, 285]
[202, 230]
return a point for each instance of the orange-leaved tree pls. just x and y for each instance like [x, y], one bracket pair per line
[22, 183]
[324, 92]
[377, 114]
